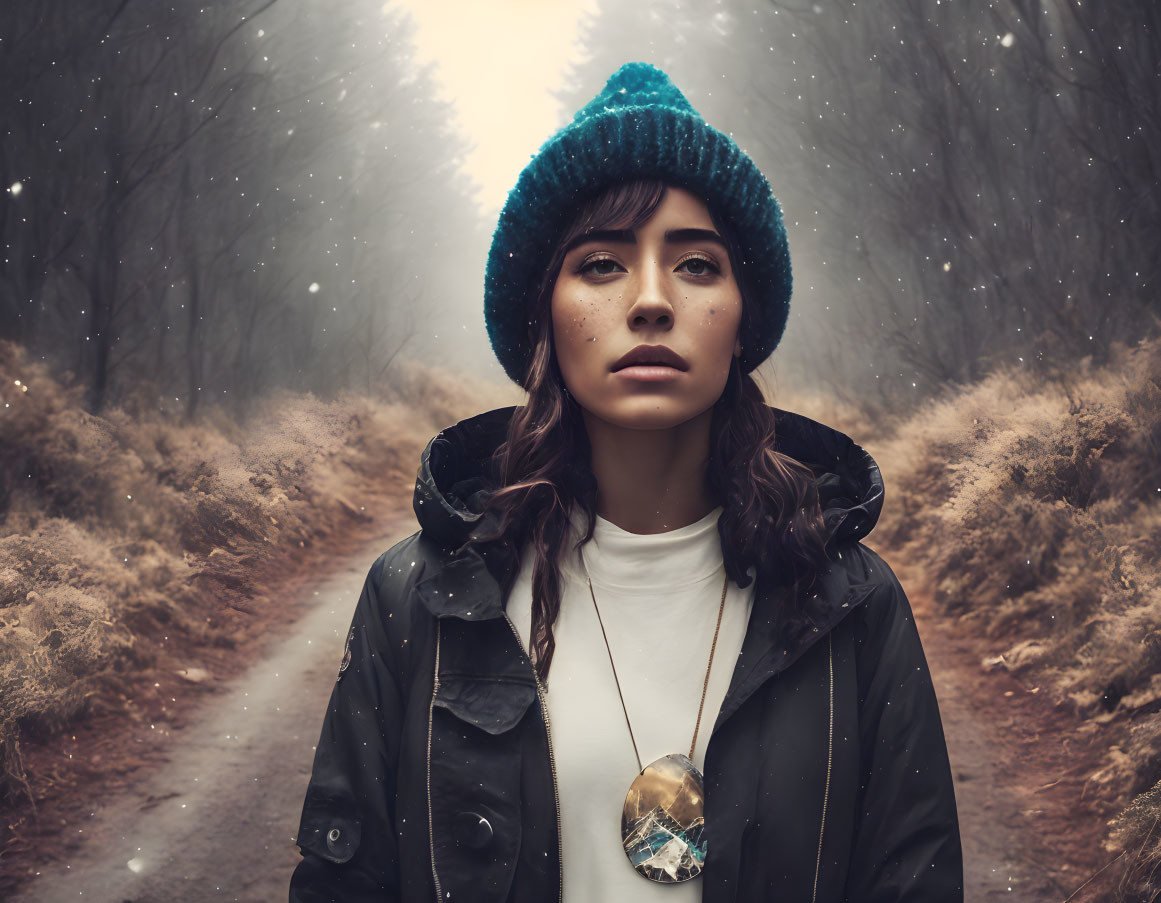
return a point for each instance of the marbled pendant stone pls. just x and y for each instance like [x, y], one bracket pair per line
[663, 824]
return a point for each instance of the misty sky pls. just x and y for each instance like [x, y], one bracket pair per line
[499, 64]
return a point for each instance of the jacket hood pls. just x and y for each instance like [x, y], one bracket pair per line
[453, 474]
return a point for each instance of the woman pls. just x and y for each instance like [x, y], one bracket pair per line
[637, 649]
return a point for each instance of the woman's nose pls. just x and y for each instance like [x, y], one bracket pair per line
[651, 305]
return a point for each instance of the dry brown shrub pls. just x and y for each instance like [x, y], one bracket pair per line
[112, 524]
[1137, 833]
[1036, 507]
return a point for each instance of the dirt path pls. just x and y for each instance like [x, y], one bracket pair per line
[217, 821]
[216, 818]
[1019, 770]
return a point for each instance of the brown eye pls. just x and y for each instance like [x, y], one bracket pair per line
[700, 266]
[591, 266]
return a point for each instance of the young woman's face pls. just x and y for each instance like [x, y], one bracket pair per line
[645, 321]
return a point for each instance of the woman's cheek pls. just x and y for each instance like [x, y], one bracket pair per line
[569, 321]
[577, 323]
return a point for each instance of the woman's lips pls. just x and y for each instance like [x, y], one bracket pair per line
[651, 373]
[651, 356]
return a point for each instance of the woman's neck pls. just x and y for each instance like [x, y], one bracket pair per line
[651, 481]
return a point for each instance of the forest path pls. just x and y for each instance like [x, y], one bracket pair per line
[218, 820]
[1018, 767]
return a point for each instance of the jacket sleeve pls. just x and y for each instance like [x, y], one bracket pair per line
[347, 830]
[907, 842]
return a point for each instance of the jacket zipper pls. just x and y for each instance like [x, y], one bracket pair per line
[829, 755]
[551, 760]
[430, 713]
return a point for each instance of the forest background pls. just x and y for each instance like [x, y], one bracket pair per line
[241, 285]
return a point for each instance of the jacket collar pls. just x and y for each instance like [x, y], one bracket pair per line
[454, 474]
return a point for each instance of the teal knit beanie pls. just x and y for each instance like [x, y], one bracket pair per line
[638, 126]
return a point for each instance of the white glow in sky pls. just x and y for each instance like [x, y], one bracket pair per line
[498, 62]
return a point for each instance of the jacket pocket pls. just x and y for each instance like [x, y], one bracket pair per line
[330, 826]
[475, 783]
[491, 704]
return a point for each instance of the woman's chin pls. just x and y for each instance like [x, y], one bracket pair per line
[646, 413]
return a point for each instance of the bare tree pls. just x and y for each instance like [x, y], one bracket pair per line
[214, 198]
[963, 184]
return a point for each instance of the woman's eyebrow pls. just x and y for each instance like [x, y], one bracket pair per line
[683, 236]
[626, 236]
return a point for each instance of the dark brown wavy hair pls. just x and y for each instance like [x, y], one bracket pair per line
[771, 518]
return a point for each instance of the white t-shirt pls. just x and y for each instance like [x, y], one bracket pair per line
[658, 596]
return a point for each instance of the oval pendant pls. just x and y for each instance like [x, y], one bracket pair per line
[663, 823]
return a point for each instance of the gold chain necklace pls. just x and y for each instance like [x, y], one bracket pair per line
[663, 819]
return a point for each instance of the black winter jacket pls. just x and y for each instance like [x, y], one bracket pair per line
[827, 776]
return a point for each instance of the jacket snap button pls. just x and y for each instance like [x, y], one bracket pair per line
[473, 830]
[333, 835]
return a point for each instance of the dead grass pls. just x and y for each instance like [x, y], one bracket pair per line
[1036, 508]
[124, 531]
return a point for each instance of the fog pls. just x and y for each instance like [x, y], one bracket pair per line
[208, 202]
